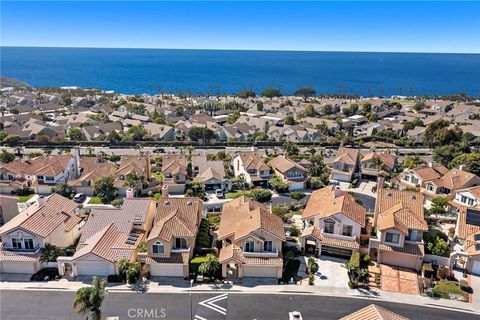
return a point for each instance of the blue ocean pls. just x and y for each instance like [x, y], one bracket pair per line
[136, 71]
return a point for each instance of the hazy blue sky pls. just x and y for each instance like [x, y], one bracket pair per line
[334, 26]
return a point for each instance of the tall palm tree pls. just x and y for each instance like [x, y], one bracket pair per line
[89, 300]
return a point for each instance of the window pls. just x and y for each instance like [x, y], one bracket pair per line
[28, 243]
[49, 178]
[168, 175]
[463, 199]
[392, 237]
[470, 202]
[347, 230]
[16, 243]
[268, 246]
[414, 180]
[180, 243]
[430, 187]
[329, 225]
[406, 178]
[40, 177]
[249, 246]
[158, 247]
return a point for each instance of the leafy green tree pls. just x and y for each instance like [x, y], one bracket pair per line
[115, 158]
[233, 117]
[3, 134]
[259, 106]
[113, 136]
[296, 195]
[157, 118]
[414, 161]
[280, 212]
[445, 154]
[246, 94]
[373, 117]
[196, 190]
[320, 181]
[62, 189]
[12, 140]
[471, 161]
[132, 180]
[305, 93]
[138, 133]
[261, 195]
[438, 133]
[439, 205]
[439, 247]
[289, 120]
[210, 265]
[290, 148]
[278, 184]
[317, 166]
[50, 253]
[6, 157]
[309, 111]
[117, 203]
[105, 189]
[366, 108]
[200, 133]
[76, 134]
[271, 93]
[88, 300]
[327, 109]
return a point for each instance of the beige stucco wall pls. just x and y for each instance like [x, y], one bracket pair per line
[400, 260]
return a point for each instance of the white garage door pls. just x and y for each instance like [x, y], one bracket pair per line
[296, 186]
[476, 267]
[166, 270]
[18, 267]
[92, 268]
[260, 271]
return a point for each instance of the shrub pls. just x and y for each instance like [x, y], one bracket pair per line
[294, 231]
[261, 195]
[378, 280]
[311, 279]
[195, 264]
[355, 259]
[117, 203]
[427, 270]
[442, 272]
[297, 195]
[114, 278]
[280, 212]
[24, 192]
[45, 274]
[278, 184]
[366, 260]
[464, 285]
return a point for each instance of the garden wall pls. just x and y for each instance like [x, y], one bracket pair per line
[438, 260]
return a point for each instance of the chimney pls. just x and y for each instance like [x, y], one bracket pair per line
[252, 148]
[461, 167]
[165, 191]
[337, 192]
[430, 164]
[76, 156]
[130, 194]
[41, 200]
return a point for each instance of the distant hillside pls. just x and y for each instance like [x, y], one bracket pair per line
[10, 82]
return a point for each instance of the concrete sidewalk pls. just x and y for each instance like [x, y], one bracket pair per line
[183, 286]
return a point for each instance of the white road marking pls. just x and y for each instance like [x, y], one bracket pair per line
[199, 318]
[209, 303]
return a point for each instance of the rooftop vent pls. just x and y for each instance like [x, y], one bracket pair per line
[189, 202]
[137, 217]
[414, 197]
[389, 194]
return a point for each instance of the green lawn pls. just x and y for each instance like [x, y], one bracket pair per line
[444, 287]
[235, 194]
[24, 198]
[158, 176]
[95, 200]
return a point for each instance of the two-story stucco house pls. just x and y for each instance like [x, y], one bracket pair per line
[171, 241]
[469, 197]
[250, 165]
[289, 171]
[333, 223]
[400, 223]
[467, 231]
[374, 164]
[345, 164]
[110, 234]
[50, 220]
[418, 177]
[40, 173]
[174, 170]
[252, 240]
[210, 173]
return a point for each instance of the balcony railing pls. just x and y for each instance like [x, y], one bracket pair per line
[262, 254]
[35, 249]
[339, 236]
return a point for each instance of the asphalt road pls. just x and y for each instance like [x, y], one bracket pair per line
[50, 305]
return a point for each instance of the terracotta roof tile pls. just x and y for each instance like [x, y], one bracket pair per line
[373, 312]
[283, 164]
[315, 232]
[329, 201]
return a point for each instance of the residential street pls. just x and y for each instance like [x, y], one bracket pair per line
[46, 305]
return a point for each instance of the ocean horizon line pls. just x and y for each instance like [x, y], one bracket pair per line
[239, 50]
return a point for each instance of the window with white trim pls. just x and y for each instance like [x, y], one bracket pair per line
[180, 243]
[16, 243]
[392, 237]
[158, 247]
[249, 246]
[268, 246]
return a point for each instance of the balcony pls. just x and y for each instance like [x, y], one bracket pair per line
[339, 236]
[261, 254]
[24, 250]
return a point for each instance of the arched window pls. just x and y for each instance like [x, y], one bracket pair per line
[158, 247]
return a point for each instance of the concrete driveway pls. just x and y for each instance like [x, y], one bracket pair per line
[331, 272]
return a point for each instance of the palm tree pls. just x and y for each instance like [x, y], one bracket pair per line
[88, 300]
[376, 162]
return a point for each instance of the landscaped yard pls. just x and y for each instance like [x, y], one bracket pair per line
[235, 194]
[24, 198]
[158, 176]
[95, 200]
[445, 287]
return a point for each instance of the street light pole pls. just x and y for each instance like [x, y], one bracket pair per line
[190, 299]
